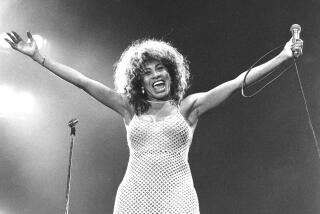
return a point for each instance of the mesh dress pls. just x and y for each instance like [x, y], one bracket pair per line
[158, 177]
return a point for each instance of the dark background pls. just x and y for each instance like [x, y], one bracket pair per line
[248, 155]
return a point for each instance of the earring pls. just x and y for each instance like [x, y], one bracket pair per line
[142, 90]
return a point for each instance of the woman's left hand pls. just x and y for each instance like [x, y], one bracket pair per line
[293, 49]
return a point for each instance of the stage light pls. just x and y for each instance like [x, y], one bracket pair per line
[6, 96]
[41, 42]
[15, 103]
[24, 102]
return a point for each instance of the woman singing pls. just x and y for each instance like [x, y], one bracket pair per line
[151, 78]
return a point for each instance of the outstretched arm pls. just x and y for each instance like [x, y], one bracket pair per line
[199, 103]
[97, 90]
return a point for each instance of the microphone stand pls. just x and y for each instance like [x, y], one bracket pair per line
[71, 124]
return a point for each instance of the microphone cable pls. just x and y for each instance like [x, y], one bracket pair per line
[307, 109]
[244, 84]
[271, 81]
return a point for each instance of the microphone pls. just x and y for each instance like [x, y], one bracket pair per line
[72, 122]
[295, 30]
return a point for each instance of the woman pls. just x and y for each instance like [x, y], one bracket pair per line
[151, 78]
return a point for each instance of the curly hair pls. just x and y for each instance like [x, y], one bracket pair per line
[129, 70]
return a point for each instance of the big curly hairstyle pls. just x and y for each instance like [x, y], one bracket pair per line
[129, 70]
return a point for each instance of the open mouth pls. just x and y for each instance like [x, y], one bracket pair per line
[159, 85]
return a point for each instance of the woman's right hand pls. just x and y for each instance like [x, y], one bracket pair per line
[28, 48]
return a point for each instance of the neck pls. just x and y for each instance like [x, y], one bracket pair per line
[160, 101]
[158, 104]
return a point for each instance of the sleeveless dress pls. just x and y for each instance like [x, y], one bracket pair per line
[158, 178]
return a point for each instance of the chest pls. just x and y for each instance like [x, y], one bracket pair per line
[170, 133]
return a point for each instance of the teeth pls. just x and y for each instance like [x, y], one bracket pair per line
[158, 83]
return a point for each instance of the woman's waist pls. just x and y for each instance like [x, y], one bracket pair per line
[158, 174]
[153, 165]
[160, 152]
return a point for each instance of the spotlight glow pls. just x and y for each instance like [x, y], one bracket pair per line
[15, 103]
[41, 42]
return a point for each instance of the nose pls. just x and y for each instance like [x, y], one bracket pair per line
[155, 74]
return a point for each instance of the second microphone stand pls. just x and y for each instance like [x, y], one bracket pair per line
[72, 123]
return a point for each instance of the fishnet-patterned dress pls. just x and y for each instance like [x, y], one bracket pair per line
[158, 177]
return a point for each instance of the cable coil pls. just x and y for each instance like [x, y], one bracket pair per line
[271, 81]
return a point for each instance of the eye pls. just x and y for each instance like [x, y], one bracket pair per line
[161, 67]
[146, 72]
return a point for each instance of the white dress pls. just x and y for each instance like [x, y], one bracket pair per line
[158, 177]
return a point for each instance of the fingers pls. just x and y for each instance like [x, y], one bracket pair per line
[17, 36]
[13, 45]
[297, 52]
[30, 36]
[297, 48]
[15, 39]
[12, 37]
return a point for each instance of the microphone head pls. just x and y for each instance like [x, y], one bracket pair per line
[295, 27]
[72, 122]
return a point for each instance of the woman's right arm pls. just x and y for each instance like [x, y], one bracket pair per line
[102, 93]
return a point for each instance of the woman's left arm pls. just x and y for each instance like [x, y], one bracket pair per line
[199, 103]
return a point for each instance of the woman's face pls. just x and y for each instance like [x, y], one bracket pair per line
[156, 80]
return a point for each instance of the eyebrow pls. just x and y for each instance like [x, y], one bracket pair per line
[156, 65]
